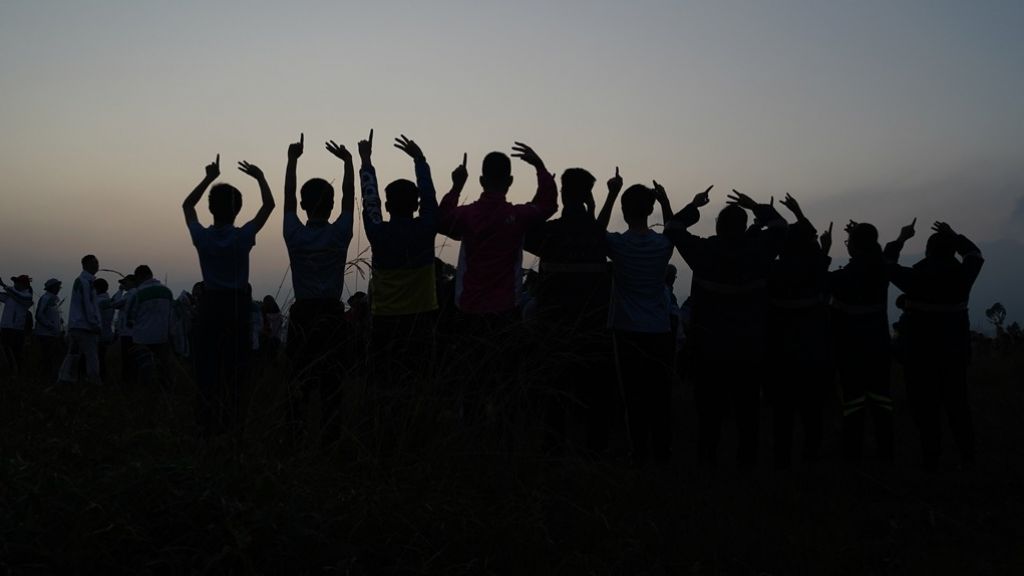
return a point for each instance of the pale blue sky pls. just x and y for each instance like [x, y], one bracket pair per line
[875, 110]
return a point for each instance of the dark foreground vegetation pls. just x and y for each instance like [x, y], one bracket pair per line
[115, 481]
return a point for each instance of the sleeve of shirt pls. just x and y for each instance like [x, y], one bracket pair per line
[451, 218]
[973, 260]
[291, 225]
[248, 233]
[428, 195]
[544, 203]
[195, 231]
[343, 227]
[92, 308]
[372, 217]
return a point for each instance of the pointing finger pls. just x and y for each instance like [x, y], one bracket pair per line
[217, 162]
[914, 223]
[302, 138]
[371, 136]
[616, 171]
[463, 159]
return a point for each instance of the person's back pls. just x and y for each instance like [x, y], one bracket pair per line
[48, 321]
[17, 300]
[492, 231]
[149, 311]
[859, 295]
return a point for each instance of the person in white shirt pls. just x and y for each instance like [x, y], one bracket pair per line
[106, 306]
[149, 316]
[49, 329]
[84, 326]
[222, 344]
[123, 332]
[15, 320]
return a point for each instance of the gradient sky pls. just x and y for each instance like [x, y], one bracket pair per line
[873, 110]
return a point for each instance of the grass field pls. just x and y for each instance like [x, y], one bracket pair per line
[113, 481]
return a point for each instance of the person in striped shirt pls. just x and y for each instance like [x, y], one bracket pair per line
[403, 297]
[84, 326]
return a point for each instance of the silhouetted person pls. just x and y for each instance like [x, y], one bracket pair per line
[860, 327]
[403, 297]
[571, 311]
[49, 329]
[936, 330]
[317, 251]
[126, 287]
[797, 337]
[149, 311]
[16, 319]
[182, 313]
[727, 294]
[489, 274]
[639, 316]
[222, 343]
[84, 326]
[106, 306]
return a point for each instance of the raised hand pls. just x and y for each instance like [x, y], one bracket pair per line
[213, 169]
[659, 192]
[907, 232]
[850, 226]
[703, 198]
[460, 174]
[943, 228]
[826, 239]
[792, 205]
[526, 154]
[251, 170]
[409, 147]
[339, 150]
[295, 150]
[366, 148]
[615, 183]
[742, 200]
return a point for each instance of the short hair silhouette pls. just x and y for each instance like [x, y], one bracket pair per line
[731, 222]
[87, 259]
[941, 245]
[637, 202]
[577, 183]
[317, 197]
[143, 273]
[100, 285]
[225, 202]
[863, 240]
[496, 173]
[401, 197]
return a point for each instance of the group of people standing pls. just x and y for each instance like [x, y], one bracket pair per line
[766, 317]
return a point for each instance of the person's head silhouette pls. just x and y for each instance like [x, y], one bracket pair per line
[225, 203]
[731, 222]
[941, 245]
[401, 198]
[863, 241]
[317, 199]
[90, 264]
[637, 204]
[100, 286]
[577, 188]
[143, 273]
[496, 173]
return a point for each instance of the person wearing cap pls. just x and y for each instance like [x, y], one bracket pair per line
[15, 320]
[149, 317]
[49, 328]
[84, 326]
[126, 287]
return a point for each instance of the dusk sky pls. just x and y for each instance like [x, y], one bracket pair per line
[879, 111]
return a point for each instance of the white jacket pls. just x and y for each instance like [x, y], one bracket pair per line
[16, 304]
[85, 311]
[48, 315]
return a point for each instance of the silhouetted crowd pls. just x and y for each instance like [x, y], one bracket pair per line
[597, 325]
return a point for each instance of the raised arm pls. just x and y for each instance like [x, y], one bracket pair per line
[189, 205]
[793, 206]
[968, 251]
[424, 182]
[291, 204]
[545, 200]
[614, 187]
[901, 276]
[267, 207]
[447, 211]
[348, 192]
[666, 205]
[677, 227]
[372, 216]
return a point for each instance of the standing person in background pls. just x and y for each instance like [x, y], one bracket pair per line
[49, 329]
[489, 274]
[106, 306]
[126, 287]
[149, 316]
[936, 327]
[403, 297]
[639, 316]
[317, 250]
[222, 344]
[84, 326]
[16, 319]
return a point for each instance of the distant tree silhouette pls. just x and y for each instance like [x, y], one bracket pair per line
[997, 315]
